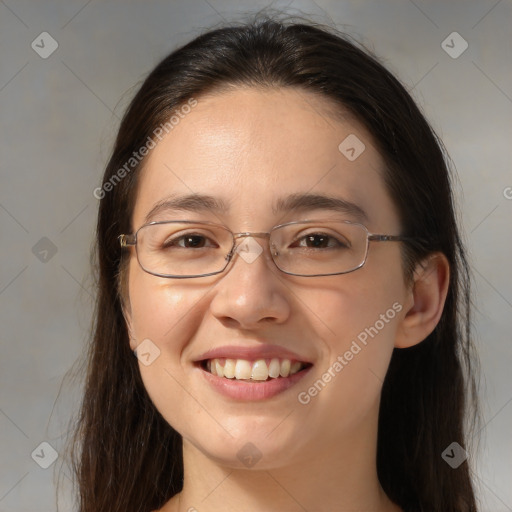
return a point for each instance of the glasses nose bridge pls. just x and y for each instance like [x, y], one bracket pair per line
[244, 234]
[255, 234]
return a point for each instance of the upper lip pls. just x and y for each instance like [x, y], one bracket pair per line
[251, 353]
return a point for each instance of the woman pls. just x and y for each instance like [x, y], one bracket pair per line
[277, 245]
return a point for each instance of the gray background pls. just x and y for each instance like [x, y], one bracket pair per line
[59, 117]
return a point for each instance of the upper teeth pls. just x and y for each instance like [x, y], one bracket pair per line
[256, 370]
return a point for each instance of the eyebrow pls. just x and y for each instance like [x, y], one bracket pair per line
[307, 202]
[300, 202]
[188, 203]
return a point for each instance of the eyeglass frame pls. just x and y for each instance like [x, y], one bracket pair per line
[129, 240]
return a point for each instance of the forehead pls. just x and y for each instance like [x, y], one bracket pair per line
[251, 148]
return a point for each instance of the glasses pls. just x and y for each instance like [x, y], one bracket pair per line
[310, 248]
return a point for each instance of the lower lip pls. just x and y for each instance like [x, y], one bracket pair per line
[243, 390]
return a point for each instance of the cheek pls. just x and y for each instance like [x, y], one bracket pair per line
[356, 317]
[165, 316]
[165, 312]
[345, 305]
[358, 327]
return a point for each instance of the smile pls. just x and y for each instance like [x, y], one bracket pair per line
[247, 380]
[260, 370]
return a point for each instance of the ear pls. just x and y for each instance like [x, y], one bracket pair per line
[425, 300]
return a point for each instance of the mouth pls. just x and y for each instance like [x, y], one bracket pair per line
[257, 371]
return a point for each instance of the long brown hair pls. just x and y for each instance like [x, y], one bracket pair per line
[125, 456]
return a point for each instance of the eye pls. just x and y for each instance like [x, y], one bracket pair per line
[189, 241]
[322, 241]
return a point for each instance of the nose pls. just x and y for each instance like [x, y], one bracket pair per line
[251, 291]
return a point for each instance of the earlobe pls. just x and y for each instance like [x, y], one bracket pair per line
[427, 296]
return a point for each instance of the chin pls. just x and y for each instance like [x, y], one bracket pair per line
[264, 448]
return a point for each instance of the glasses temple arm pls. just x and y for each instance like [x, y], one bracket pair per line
[126, 240]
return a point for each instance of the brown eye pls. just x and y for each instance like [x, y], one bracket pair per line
[188, 241]
[321, 241]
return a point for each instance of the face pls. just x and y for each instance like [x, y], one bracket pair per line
[250, 148]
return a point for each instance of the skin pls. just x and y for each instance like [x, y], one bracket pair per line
[251, 146]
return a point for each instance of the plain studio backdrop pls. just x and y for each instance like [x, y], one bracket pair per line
[67, 71]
